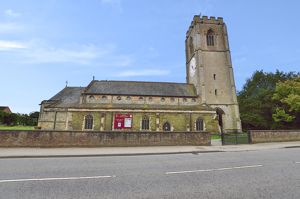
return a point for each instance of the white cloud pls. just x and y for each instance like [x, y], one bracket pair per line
[60, 55]
[11, 45]
[39, 52]
[10, 27]
[84, 54]
[11, 13]
[146, 72]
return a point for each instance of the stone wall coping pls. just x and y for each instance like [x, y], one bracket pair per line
[78, 131]
[289, 130]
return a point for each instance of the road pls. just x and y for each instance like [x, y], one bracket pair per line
[251, 174]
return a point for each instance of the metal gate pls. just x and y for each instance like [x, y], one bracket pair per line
[235, 138]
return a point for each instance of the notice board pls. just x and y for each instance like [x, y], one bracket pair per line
[122, 121]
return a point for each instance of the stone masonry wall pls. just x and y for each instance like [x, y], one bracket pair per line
[42, 138]
[259, 136]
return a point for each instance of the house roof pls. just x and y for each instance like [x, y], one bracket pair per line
[2, 108]
[141, 88]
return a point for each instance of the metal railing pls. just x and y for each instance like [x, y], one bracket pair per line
[235, 138]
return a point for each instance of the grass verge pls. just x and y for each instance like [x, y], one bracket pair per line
[16, 127]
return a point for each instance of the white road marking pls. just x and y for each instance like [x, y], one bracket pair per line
[297, 162]
[52, 179]
[219, 169]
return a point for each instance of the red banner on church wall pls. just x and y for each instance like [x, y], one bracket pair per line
[122, 121]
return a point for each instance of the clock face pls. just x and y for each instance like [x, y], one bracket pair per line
[193, 66]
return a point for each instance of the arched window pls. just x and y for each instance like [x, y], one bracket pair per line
[88, 122]
[166, 126]
[191, 45]
[210, 40]
[199, 124]
[145, 123]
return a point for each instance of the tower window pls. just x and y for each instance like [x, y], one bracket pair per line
[216, 92]
[145, 123]
[191, 45]
[88, 122]
[210, 38]
[199, 124]
[215, 76]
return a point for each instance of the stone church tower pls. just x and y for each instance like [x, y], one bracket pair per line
[209, 68]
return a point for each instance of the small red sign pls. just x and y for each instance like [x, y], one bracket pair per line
[123, 121]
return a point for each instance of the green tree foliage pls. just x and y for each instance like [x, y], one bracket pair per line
[287, 97]
[19, 119]
[256, 100]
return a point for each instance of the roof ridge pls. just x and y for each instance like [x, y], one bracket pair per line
[141, 82]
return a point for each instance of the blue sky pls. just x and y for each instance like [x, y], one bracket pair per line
[45, 43]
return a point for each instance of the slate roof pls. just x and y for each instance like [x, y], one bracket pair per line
[67, 97]
[141, 88]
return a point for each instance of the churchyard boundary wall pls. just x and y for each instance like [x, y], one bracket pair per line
[260, 136]
[43, 138]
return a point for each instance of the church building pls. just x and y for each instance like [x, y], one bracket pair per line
[206, 102]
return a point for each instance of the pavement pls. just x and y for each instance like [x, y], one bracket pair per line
[147, 150]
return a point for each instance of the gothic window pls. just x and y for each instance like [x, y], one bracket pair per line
[104, 97]
[163, 99]
[145, 123]
[119, 98]
[191, 45]
[199, 124]
[128, 98]
[150, 99]
[88, 122]
[141, 98]
[166, 126]
[216, 92]
[210, 38]
[215, 76]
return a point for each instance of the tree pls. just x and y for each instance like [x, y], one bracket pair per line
[19, 119]
[34, 116]
[256, 99]
[287, 96]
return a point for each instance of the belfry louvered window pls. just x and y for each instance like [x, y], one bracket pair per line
[210, 38]
[191, 45]
[88, 123]
[145, 123]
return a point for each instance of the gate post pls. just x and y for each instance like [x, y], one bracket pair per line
[222, 138]
[249, 137]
